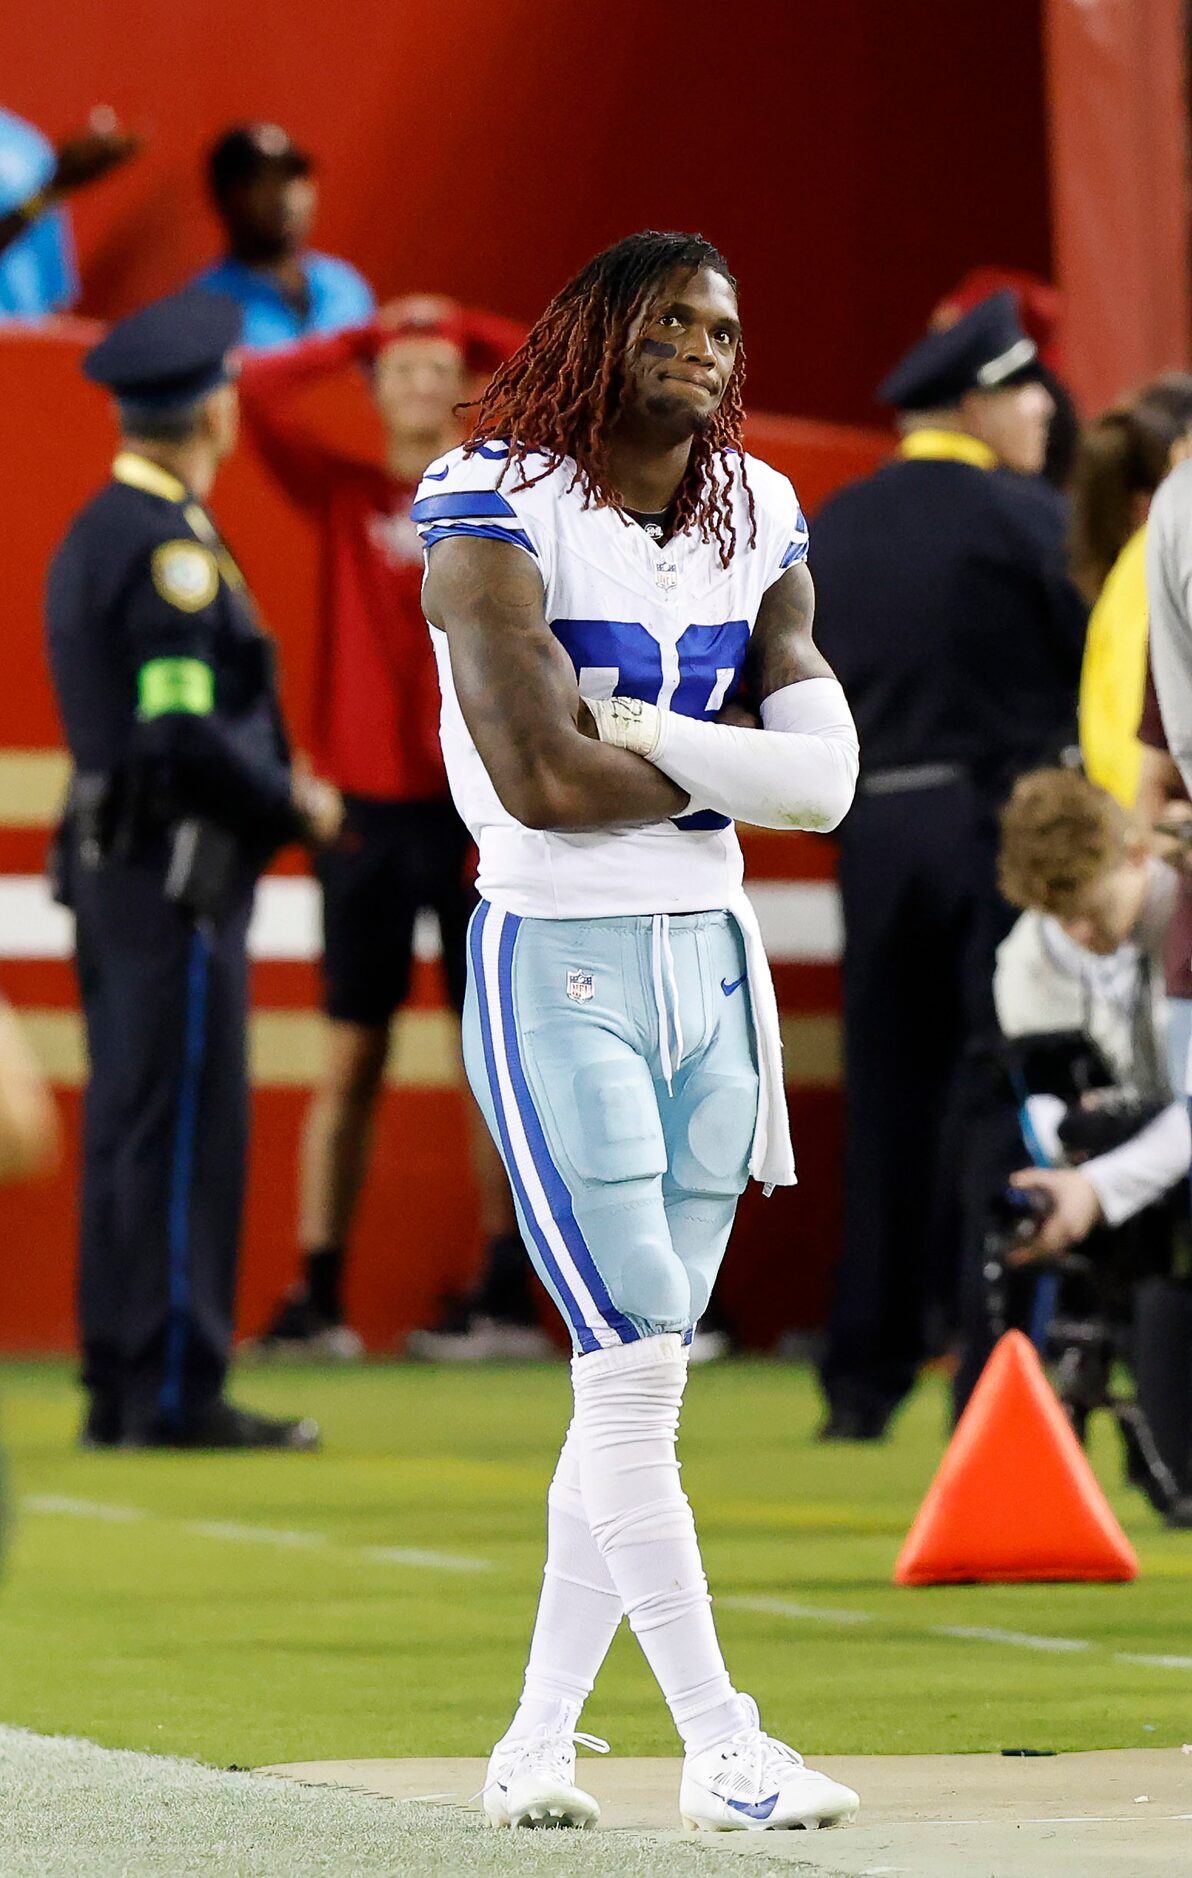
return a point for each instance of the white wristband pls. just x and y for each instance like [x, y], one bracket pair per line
[628, 723]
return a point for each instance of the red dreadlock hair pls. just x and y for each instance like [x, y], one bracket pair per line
[559, 393]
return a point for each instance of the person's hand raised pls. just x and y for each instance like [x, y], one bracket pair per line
[89, 154]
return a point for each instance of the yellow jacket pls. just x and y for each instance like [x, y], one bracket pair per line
[1113, 676]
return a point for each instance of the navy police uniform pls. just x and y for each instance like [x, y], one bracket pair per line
[945, 608]
[181, 793]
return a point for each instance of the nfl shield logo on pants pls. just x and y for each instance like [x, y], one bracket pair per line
[581, 987]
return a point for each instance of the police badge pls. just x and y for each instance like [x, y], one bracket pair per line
[581, 987]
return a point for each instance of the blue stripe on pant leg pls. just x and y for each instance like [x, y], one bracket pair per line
[553, 1184]
[182, 1178]
[587, 1340]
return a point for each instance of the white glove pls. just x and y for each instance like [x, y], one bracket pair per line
[627, 722]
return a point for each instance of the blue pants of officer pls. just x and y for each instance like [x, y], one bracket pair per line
[165, 1131]
[615, 1064]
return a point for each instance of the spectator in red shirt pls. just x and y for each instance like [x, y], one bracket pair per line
[403, 848]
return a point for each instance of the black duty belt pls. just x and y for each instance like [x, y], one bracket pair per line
[910, 777]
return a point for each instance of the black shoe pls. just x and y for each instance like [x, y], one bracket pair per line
[853, 1424]
[101, 1426]
[457, 1314]
[225, 1426]
[298, 1332]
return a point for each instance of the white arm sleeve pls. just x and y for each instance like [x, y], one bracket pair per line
[799, 772]
[1143, 1168]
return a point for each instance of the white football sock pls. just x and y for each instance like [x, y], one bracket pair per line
[578, 1612]
[626, 1422]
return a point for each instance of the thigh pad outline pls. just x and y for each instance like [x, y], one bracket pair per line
[619, 1134]
[711, 1154]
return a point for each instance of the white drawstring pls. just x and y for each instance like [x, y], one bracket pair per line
[662, 958]
[668, 958]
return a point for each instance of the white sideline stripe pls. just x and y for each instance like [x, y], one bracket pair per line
[413, 1555]
[1060, 1819]
[782, 1607]
[1018, 1639]
[800, 921]
[236, 1534]
[254, 1535]
[1154, 1662]
[82, 1509]
[961, 1633]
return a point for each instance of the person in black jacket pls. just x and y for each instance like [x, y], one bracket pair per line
[945, 606]
[183, 789]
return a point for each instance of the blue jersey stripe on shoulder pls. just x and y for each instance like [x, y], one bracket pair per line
[457, 503]
[451, 530]
[796, 552]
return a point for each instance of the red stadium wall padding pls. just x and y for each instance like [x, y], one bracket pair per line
[417, 1229]
[852, 159]
[1119, 131]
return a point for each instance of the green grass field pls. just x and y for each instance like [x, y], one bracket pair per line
[251, 1610]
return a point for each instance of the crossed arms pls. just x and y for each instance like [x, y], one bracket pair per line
[558, 763]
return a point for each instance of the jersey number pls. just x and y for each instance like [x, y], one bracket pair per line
[617, 658]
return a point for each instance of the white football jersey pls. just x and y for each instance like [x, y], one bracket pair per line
[637, 618]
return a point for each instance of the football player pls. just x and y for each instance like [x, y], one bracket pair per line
[605, 569]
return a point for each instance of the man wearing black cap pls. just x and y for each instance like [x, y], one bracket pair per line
[264, 194]
[182, 791]
[944, 604]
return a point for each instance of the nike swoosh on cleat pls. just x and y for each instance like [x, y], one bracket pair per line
[754, 1809]
[728, 992]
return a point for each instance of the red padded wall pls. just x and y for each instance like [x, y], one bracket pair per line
[852, 159]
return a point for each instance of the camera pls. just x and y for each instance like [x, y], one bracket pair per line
[1082, 1306]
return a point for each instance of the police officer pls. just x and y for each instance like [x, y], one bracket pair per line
[944, 604]
[183, 789]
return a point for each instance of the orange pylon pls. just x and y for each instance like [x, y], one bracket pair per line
[1014, 1498]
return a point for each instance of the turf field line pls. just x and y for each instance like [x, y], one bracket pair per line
[960, 1633]
[1047, 1819]
[1017, 1639]
[253, 1535]
[83, 1509]
[1155, 1662]
[782, 1607]
[231, 1532]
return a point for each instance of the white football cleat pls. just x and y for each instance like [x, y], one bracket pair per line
[753, 1784]
[531, 1782]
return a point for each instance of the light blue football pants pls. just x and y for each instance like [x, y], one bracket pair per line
[615, 1065]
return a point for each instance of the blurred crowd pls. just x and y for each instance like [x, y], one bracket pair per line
[1014, 875]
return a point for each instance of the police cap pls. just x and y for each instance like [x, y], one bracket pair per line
[171, 353]
[987, 350]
